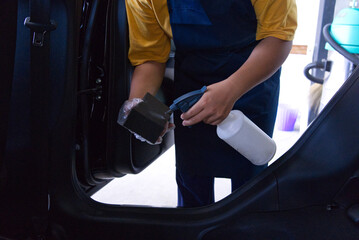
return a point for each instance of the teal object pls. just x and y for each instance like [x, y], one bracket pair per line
[345, 30]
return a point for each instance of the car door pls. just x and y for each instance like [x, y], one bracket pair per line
[311, 192]
[88, 80]
[105, 149]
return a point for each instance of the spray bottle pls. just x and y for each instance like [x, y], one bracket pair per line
[248, 139]
[149, 117]
[237, 130]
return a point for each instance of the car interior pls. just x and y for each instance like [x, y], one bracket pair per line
[60, 143]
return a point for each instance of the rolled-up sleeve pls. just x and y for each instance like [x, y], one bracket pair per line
[275, 18]
[148, 41]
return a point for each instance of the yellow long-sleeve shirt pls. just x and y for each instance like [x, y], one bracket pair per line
[150, 30]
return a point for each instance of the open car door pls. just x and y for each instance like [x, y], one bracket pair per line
[105, 149]
[66, 75]
[311, 192]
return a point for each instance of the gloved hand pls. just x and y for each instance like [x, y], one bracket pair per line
[169, 126]
[126, 109]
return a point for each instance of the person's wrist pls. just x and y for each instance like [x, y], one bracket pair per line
[235, 90]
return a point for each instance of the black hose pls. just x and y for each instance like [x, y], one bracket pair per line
[325, 66]
[351, 57]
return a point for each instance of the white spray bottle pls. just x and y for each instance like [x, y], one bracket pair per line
[248, 139]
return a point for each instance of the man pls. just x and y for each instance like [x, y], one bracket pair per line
[235, 48]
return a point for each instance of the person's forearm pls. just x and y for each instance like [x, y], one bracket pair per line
[147, 77]
[264, 61]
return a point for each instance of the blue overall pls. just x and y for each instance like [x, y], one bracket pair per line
[213, 39]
